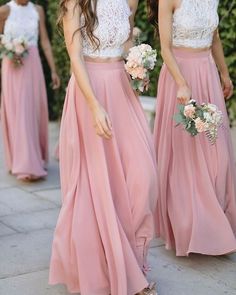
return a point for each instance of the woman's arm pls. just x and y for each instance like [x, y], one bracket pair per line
[47, 49]
[71, 23]
[4, 12]
[133, 4]
[166, 8]
[218, 54]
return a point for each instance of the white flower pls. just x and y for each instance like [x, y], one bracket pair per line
[207, 116]
[9, 46]
[5, 39]
[217, 117]
[145, 48]
[212, 107]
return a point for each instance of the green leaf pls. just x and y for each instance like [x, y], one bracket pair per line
[178, 118]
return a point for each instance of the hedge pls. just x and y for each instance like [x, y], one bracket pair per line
[227, 11]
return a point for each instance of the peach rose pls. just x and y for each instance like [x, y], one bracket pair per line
[138, 72]
[189, 111]
[19, 49]
[200, 125]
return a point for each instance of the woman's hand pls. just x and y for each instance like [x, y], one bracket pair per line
[227, 86]
[102, 123]
[56, 82]
[184, 94]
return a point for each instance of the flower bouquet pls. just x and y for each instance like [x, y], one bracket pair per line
[139, 62]
[197, 118]
[15, 49]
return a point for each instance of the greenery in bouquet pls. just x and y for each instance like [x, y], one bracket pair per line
[140, 61]
[197, 119]
[14, 49]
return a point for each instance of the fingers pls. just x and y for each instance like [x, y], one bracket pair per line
[228, 92]
[227, 87]
[106, 125]
[182, 100]
[231, 90]
[56, 83]
[104, 128]
[108, 121]
[100, 131]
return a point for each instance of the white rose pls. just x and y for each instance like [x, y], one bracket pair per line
[207, 117]
[5, 39]
[212, 107]
[9, 46]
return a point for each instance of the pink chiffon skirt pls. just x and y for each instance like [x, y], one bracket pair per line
[24, 117]
[109, 190]
[196, 209]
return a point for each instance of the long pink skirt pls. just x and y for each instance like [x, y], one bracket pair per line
[24, 116]
[196, 209]
[109, 190]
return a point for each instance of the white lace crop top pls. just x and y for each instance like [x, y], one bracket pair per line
[23, 21]
[112, 30]
[194, 23]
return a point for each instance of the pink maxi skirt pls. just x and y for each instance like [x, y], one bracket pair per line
[109, 190]
[196, 209]
[24, 117]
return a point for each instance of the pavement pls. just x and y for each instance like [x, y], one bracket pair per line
[28, 214]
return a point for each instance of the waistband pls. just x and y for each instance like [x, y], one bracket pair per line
[111, 65]
[185, 53]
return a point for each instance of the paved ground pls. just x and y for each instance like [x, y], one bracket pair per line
[28, 214]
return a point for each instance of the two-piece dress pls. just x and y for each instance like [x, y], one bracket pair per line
[196, 209]
[24, 111]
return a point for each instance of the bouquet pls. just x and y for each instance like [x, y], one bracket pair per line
[14, 48]
[200, 118]
[140, 60]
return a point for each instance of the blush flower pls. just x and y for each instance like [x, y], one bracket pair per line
[189, 111]
[19, 49]
[138, 73]
[200, 125]
[13, 48]
[140, 60]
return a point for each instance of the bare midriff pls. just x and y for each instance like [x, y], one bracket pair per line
[192, 49]
[103, 60]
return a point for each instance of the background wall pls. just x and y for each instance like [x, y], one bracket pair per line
[227, 11]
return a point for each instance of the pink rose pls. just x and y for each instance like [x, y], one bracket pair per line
[189, 111]
[131, 64]
[138, 73]
[19, 49]
[200, 125]
[135, 55]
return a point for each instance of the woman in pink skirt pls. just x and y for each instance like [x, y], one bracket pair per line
[196, 209]
[107, 162]
[24, 112]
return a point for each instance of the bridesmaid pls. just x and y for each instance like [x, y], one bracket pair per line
[24, 112]
[107, 162]
[196, 210]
